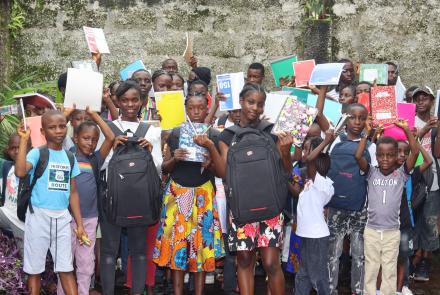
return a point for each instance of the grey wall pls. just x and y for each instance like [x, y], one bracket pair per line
[229, 34]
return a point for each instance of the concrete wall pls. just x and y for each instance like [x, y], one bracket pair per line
[229, 34]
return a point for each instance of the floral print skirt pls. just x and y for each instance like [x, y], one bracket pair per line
[266, 233]
[189, 237]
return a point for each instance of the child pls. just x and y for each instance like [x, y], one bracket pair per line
[49, 226]
[255, 73]
[143, 78]
[347, 214]
[385, 189]
[189, 236]
[170, 65]
[266, 236]
[407, 212]
[426, 239]
[311, 225]
[178, 82]
[346, 79]
[90, 162]
[9, 190]
[130, 102]
[347, 95]
[362, 87]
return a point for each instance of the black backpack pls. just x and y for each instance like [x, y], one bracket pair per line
[133, 196]
[256, 180]
[25, 186]
[222, 120]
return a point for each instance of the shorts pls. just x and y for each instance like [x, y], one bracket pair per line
[406, 247]
[426, 233]
[44, 233]
[267, 233]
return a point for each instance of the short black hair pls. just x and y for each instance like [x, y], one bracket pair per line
[86, 124]
[168, 60]
[50, 113]
[127, 85]
[62, 81]
[140, 70]
[191, 95]
[345, 60]
[197, 82]
[111, 85]
[159, 73]
[364, 82]
[390, 63]
[179, 76]
[356, 105]
[250, 87]
[323, 161]
[257, 66]
[386, 140]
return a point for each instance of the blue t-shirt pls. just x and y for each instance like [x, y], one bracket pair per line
[86, 186]
[52, 189]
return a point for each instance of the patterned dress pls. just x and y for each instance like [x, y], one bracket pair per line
[189, 236]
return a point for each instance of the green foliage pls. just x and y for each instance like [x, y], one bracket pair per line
[318, 9]
[16, 23]
[24, 83]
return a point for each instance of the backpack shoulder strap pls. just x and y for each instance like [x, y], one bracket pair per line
[142, 130]
[265, 125]
[437, 166]
[94, 162]
[39, 169]
[115, 129]
[71, 157]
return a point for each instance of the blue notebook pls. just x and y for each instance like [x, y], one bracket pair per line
[128, 71]
[196, 152]
[332, 109]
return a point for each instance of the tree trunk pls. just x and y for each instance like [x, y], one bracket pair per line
[316, 40]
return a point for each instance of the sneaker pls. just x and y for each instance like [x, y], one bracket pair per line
[422, 271]
[209, 279]
[406, 291]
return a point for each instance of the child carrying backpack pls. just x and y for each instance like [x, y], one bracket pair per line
[312, 227]
[189, 236]
[90, 162]
[133, 194]
[52, 190]
[256, 165]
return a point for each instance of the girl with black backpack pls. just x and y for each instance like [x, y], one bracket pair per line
[189, 236]
[265, 234]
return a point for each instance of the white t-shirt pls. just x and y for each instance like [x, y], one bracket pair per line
[310, 211]
[227, 124]
[11, 194]
[153, 136]
[371, 150]
[425, 142]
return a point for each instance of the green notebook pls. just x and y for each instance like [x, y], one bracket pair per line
[300, 93]
[283, 68]
[371, 72]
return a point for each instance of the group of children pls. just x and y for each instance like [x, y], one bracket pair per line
[354, 186]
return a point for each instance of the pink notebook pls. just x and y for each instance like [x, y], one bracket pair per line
[34, 124]
[406, 111]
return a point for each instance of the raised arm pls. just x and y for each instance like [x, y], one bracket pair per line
[21, 165]
[329, 138]
[412, 158]
[362, 162]
[109, 103]
[108, 133]
[284, 144]
[218, 97]
[320, 118]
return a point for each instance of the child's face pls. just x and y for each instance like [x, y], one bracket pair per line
[177, 83]
[347, 73]
[386, 154]
[252, 106]
[403, 152]
[198, 88]
[392, 75]
[356, 122]
[113, 96]
[33, 111]
[424, 103]
[346, 96]
[130, 103]
[12, 151]
[54, 129]
[362, 88]
[77, 118]
[162, 83]
[235, 116]
[144, 80]
[170, 66]
[255, 76]
[87, 140]
[197, 109]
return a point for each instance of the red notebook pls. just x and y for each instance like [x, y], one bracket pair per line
[383, 105]
[303, 71]
[364, 98]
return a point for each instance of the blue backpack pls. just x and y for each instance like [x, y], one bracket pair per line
[349, 184]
